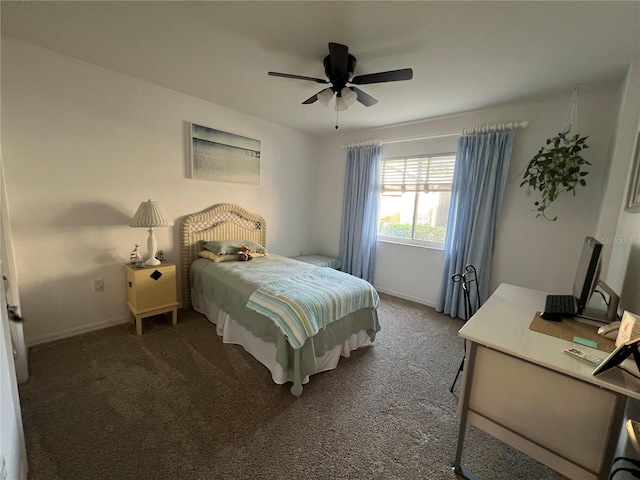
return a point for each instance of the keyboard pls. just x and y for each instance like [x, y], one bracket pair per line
[561, 305]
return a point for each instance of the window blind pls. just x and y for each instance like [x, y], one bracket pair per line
[417, 174]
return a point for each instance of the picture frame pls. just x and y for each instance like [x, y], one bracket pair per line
[633, 196]
[619, 355]
[222, 156]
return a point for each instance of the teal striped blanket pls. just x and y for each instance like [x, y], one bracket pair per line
[303, 304]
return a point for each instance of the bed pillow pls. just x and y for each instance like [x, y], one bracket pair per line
[225, 258]
[218, 258]
[228, 247]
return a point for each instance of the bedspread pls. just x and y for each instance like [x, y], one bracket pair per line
[229, 285]
[303, 304]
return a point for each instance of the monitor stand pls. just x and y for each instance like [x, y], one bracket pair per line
[599, 317]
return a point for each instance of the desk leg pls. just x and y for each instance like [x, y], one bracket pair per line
[467, 378]
[616, 428]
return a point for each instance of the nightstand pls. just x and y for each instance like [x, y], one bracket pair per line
[151, 291]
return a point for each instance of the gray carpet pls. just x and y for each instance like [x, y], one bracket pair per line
[176, 403]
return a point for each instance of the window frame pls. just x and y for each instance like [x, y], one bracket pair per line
[413, 242]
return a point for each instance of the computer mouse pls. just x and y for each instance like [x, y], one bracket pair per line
[552, 317]
[610, 331]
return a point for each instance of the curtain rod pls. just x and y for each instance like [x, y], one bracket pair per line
[494, 127]
[421, 137]
[366, 143]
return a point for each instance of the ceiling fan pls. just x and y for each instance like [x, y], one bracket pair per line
[339, 67]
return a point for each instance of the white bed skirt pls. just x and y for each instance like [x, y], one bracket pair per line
[265, 352]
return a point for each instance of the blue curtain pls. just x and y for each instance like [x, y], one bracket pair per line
[482, 162]
[360, 212]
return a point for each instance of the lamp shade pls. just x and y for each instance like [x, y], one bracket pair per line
[325, 96]
[348, 96]
[345, 99]
[150, 214]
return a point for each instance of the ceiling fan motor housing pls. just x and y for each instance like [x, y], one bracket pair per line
[337, 79]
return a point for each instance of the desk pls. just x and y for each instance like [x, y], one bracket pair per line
[521, 388]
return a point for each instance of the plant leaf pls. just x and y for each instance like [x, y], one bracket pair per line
[555, 169]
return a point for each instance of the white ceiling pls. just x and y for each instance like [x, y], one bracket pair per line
[465, 55]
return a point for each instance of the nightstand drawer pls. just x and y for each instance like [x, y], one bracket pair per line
[150, 288]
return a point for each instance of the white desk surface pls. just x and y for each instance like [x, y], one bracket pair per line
[502, 324]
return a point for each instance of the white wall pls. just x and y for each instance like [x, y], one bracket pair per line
[619, 229]
[530, 252]
[83, 146]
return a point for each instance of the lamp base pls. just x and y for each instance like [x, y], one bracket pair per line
[152, 262]
[152, 248]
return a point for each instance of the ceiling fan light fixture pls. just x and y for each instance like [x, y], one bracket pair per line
[341, 106]
[325, 96]
[349, 97]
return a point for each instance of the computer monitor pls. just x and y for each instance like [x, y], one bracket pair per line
[586, 273]
[587, 280]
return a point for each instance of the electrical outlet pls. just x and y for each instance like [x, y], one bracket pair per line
[98, 285]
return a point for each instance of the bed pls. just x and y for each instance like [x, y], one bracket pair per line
[295, 318]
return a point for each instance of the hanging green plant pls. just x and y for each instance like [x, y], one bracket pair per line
[555, 169]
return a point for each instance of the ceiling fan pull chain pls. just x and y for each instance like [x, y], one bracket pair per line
[337, 111]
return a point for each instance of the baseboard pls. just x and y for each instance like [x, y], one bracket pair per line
[404, 296]
[72, 332]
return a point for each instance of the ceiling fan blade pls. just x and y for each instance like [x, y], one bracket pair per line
[339, 55]
[390, 76]
[298, 77]
[364, 98]
[311, 100]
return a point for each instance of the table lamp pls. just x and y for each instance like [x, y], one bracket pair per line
[149, 215]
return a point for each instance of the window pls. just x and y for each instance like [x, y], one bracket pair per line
[414, 199]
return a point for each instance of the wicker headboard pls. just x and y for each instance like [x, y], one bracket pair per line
[224, 221]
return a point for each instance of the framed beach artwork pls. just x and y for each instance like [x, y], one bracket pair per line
[633, 199]
[223, 156]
